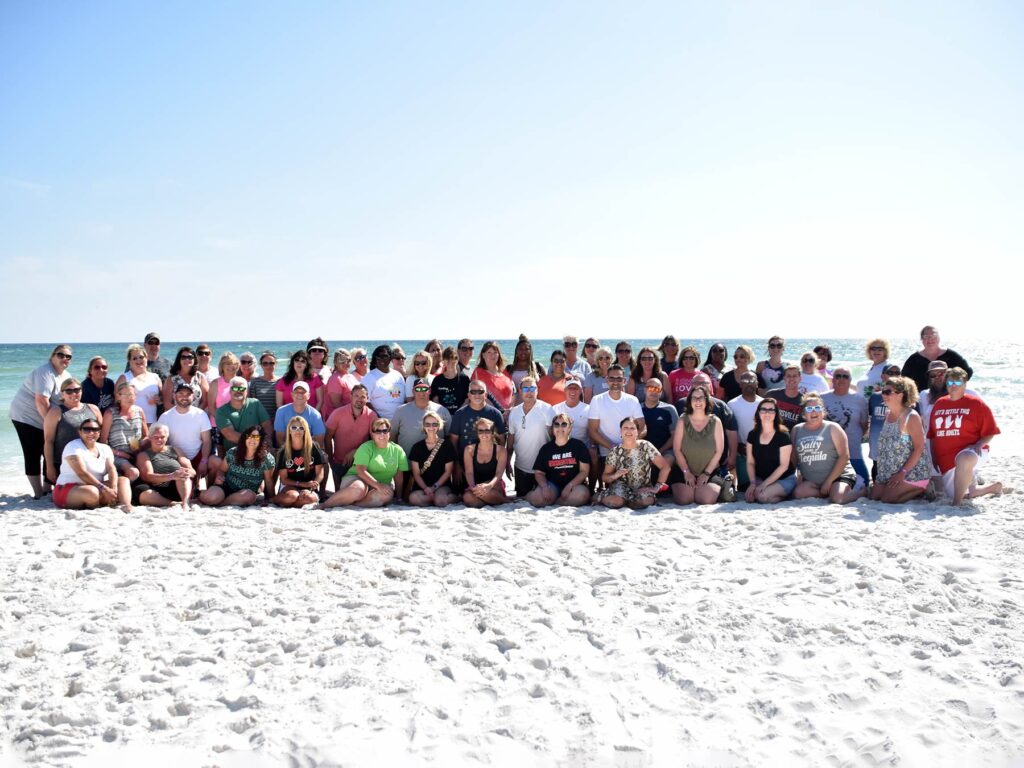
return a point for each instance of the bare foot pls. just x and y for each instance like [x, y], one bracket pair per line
[993, 489]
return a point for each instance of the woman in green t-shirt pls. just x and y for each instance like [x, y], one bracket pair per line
[377, 469]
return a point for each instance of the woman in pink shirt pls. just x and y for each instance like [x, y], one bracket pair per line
[299, 368]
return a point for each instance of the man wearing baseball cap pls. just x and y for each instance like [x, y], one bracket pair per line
[299, 406]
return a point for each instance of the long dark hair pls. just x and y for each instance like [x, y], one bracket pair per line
[261, 452]
[290, 375]
[176, 365]
[636, 373]
[779, 426]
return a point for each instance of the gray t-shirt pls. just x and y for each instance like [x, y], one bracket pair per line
[816, 452]
[407, 424]
[45, 381]
[849, 411]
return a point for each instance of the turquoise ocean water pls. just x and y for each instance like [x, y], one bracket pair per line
[998, 365]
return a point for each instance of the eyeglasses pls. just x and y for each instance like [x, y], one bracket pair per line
[99, 367]
[768, 410]
[840, 376]
[529, 389]
[954, 382]
[204, 353]
[243, 389]
[296, 428]
[813, 409]
[776, 345]
[421, 388]
[89, 430]
[73, 391]
[382, 431]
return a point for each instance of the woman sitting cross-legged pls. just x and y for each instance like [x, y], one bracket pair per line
[432, 461]
[561, 468]
[627, 471]
[376, 471]
[301, 465]
[246, 468]
[165, 477]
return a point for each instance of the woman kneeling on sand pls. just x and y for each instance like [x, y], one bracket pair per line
[88, 478]
[902, 467]
[823, 457]
[484, 464]
[627, 471]
[376, 471]
[165, 476]
[561, 468]
[432, 461]
[300, 466]
[769, 456]
[246, 468]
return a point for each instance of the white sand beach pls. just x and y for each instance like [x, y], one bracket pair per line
[802, 634]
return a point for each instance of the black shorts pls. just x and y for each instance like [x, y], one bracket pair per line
[169, 491]
[525, 481]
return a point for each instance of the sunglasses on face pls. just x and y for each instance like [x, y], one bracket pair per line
[618, 379]
[266, 363]
[647, 358]
[136, 359]
[73, 391]
[204, 353]
[529, 389]
[484, 431]
[431, 425]
[466, 349]
[421, 389]
[381, 431]
[776, 345]
[360, 357]
[254, 436]
[557, 424]
[248, 362]
[476, 392]
[63, 355]
[840, 375]
[590, 346]
[188, 357]
[768, 410]
[89, 430]
[296, 428]
[99, 367]
[243, 389]
[572, 344]
[888, 392]
[876, 349]
[954, 382]
[689, 357]
[153, 343]
[813, 409]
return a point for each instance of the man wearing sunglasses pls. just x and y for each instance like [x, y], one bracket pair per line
[407, 425]
[159, 365]
[850, 411]
[463, 429]
[239, 413]
[299, 406]
[960, 428]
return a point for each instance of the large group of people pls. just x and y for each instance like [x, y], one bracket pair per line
[437, 427]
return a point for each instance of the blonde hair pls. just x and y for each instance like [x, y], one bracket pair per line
[307, 442]
[877, 342]
[230, 357]
[132, 349]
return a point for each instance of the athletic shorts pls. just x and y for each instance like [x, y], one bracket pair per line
[60, 493]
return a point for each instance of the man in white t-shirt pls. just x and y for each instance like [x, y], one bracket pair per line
[608, 409]
[579, 412]
[190, 429]
[529, 429]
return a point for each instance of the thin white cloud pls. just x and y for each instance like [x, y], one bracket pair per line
[34, 188]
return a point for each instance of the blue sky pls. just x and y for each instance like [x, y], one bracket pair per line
[377, 170]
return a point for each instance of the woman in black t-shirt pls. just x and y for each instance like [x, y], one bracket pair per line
[561, 468]
[431, 461]
[769, 454]
[300, 466]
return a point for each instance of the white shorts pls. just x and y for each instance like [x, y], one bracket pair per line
[947, 477]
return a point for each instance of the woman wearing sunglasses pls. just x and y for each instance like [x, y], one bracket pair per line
[773, 369]
[124, 429]
[484, 465]
[62, 424]
[299, 369]
[301, 465]
[769, 456]
[902, 471]
[432, 461]
[648, 367]
[561, 469]
[185, 370]
[377, 470]
[88, 478]
[823, 457]
[422, 362]
[246, 468]
[97, 388]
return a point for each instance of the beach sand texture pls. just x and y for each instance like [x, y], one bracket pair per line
[802, 634]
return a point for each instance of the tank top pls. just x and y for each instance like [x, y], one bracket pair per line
[484, 473]
[67, 429]
[773, 375]
[894, 448]
[125, 431]
[146, 386]
[699, 447]
[816, 452]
